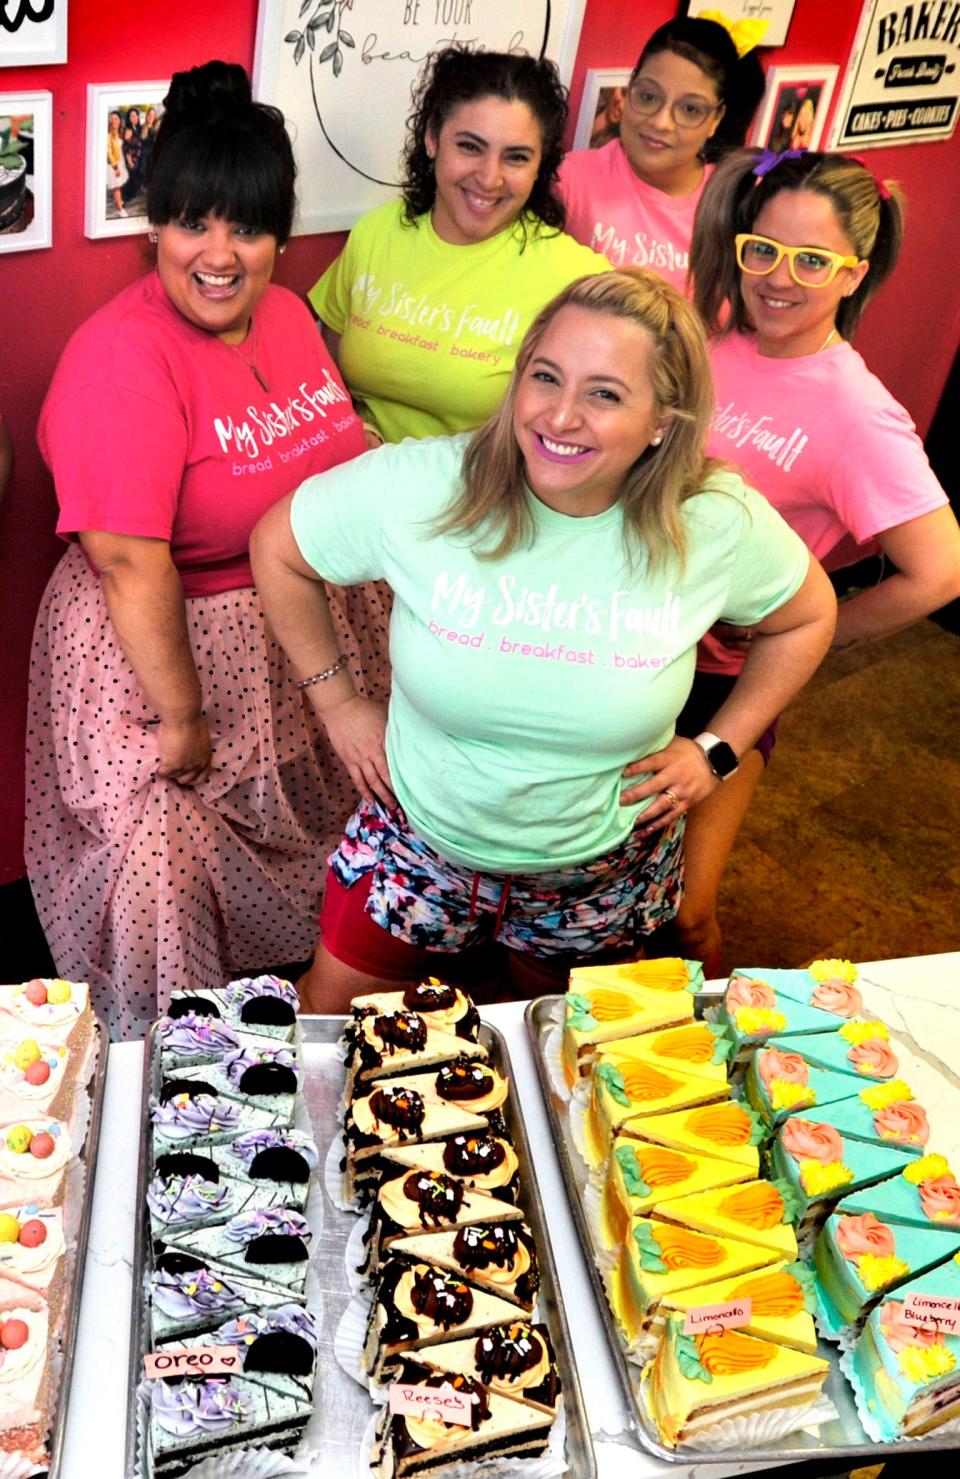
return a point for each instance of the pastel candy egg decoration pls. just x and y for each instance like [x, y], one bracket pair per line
[58, 992]
[13, 1334]
[32, 1233]
[36, 993]
[26, 1053]
[37, 1073]
[9, 1228]
[18, 1139]
[42, 1145]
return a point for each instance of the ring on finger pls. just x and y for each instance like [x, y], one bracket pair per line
[672, 796]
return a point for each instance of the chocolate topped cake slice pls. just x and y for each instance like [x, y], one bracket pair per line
[486, 1163]
[425, 1199]
[515, 1360]
[439, 1004]
[383, 1044]
[394, 1112]
[417, 1304]
[496, 1255]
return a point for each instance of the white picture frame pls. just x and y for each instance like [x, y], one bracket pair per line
[342, 72]
[102, 215]
[778, 14]
[30, 36]
[796, 86]
[26, 127]
[600, 88]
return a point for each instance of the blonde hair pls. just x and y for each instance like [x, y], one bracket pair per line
[493, 493]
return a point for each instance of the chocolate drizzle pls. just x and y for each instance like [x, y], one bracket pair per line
[440, 1297]
[484, 1244]
[430, 996]
[506, 1351]
[401, 1108]
[401, 1030]
[473, 1155]
[438, 1197]
[464, 1079]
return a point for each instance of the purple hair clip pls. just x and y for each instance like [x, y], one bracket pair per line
[769, 159]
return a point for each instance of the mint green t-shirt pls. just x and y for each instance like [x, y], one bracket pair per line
[523, 686]
[429, 331]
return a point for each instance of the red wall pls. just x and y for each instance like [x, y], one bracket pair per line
[909, 335]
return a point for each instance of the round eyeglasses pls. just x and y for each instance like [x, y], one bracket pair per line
[685, 112]
[811, 267]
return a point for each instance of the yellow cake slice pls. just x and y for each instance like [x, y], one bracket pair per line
[621, 1088]
[756, 1212]
[729, 1130]
[781, 1298]
[698, 1380]
[693, 1047]
[658, 1259]
[640, 1176]
[611, 1001]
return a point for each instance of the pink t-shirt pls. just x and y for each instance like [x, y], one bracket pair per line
[155, 427]
[612, 210]
[826, 443]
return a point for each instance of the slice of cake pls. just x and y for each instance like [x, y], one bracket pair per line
[37, 1078]
[282, 1157]
[191, 1420]
[781, 1297]
[263, 1004]
[899, 1122]
[271, 1242]
[730, 1131]
[827, 985]
[860, 1048]
[262, 1074]
[470, 1084]
[497, 1256]
[388, 1114]
[906, 1370]
[277, 1347]
[756, 1212]
[697, 1380]
[32, 1246]
[421, 1441]
[821, 1166]
[859, 1257]
[33, 1158]
[925, 1194]
[514, 1360]
[59, 1011]
[752, 1011]
[781, 1081]
[607, 1002]
[694, 1047]
[440, 1005]
[190, 1293]
[419, 1304]
[622, 1088]
[190, 1112]
[486, 1163]
[640, 1176]
[383, 1044]
[191, 1039]
[426, 1199]
[26, 1382]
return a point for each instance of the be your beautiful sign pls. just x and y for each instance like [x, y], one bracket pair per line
[903, 82]
[342, 72]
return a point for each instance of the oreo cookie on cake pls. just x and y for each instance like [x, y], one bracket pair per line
[267, 1005]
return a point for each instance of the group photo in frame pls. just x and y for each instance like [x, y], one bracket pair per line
[122, 123]
[25, 170]
[795, 107]
[601, 106]
[33, 33]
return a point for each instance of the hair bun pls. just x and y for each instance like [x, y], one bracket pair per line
[215, 91]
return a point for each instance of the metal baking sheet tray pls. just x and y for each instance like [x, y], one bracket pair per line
[844, 1438]
[344, 1406]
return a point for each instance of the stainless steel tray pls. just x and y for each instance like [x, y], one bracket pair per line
[88, 1156]
[843, 1438]
[345, 1409]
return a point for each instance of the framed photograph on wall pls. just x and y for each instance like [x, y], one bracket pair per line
[26, 121]
[122, 122]
[604, 90]
[777, 13]
[795, 107]
[33, 33]
[343, 70]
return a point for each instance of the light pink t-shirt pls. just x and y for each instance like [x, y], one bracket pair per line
[826, 443]
[612, 210]
[155, 427]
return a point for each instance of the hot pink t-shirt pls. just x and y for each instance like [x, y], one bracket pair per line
[155, 427]
[826, 443]
[612, 210]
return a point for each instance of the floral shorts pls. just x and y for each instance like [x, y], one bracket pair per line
[609, 903]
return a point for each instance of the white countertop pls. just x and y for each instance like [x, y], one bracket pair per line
[917, 998]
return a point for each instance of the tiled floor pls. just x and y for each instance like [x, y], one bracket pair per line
[852, 847]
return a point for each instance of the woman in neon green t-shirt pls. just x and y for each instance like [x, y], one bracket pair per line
[425, 308]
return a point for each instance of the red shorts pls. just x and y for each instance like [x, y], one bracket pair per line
[352, 936]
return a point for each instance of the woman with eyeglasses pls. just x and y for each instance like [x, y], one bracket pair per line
[691, 96]
[787, 252]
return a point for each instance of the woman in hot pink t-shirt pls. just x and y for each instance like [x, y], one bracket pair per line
[634, 199]
[795, 248]
[181, 797]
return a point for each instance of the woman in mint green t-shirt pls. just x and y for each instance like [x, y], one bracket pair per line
[426, 306]
[552, 575]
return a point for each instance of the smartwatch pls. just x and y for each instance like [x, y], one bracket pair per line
[722, 760]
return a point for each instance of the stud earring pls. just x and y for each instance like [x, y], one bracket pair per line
[655, 441]
[152, 238]
[280, 251]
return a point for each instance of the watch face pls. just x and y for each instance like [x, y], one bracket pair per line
[723, 760]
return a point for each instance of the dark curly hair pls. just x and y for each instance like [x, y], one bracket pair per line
[739, 80]
[219, 153]
[456, 76]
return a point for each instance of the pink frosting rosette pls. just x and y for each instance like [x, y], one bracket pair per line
[940, 1199]
[899, 1332]
[874, 1058]
[812, 1142]
[904, 1122]
[742, 992]
[838, 997]
[788, 1068]
[865, 1234]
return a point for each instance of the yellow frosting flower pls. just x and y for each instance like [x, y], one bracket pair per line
[784, 1095]
[926, 1168]
[753, 1020]
[833, 970]
[876, 1272]
[817, 1179]
[857, 1031]
[922, 1363]
[879, 1096]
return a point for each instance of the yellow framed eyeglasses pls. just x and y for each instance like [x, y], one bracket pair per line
[811, 267]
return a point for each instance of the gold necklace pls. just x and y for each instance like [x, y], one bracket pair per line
[822, 346]
[250, 361]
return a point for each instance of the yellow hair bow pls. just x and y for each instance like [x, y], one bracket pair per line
[745, 34]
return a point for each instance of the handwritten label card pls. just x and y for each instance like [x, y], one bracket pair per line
[729, 1316]
[935, 1311]
[444, 1404]
[197, 1360]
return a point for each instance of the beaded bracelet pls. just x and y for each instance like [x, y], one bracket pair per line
[341, 662]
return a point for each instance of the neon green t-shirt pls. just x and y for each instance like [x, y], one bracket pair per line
[429, 331]
[523, 686]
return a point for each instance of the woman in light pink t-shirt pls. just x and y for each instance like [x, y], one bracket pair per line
[634, 199]
[786, 255]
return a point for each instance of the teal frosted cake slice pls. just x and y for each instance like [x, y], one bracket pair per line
[821, 1166]
[263, 1004]
[277, 1348]
[925, 1194]
[191, 1420]
[190, 1293]
[871, 1115]
[861, 1048]
[827, 985]
[189, 1112]
[781, 1080]
[268, 1242]
[752, 1012]
[859, 1257]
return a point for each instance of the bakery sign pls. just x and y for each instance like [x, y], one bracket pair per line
[902, 84]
